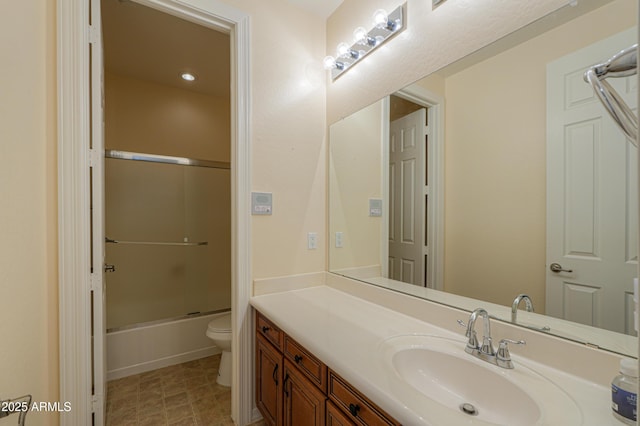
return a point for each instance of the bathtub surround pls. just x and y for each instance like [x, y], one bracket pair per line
[146, 348]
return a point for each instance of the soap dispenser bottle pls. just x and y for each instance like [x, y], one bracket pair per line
[623, 392]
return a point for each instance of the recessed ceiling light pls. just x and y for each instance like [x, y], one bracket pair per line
[188, 76]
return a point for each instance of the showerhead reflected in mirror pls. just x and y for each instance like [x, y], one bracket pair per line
[493, 169]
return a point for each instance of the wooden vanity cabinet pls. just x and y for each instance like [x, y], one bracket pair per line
[294, 388]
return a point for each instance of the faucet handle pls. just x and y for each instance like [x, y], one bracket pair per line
[503, 357]
[472, 345]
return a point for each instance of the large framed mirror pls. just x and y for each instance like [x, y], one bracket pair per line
[500, 176]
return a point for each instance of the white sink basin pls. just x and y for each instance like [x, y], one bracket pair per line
[466, 390]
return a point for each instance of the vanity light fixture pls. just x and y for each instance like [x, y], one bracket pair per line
[385, 27]
[188, 76]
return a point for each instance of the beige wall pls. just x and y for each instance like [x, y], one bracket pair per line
[288, 136]
[143, 116]
[355, 177]
[28, 208]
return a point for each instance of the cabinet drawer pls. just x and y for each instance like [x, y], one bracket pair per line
[357, 407]
[335, 417]
[308, 364]
[267, 329]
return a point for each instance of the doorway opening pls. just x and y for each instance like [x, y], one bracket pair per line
[167, 215]
[414, 182]
[81, 160]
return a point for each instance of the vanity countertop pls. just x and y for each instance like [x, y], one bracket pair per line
[347, 334]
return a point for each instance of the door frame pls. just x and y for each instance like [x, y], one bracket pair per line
[435, 223]
[74, 226]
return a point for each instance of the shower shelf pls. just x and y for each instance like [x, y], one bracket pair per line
[157, 243]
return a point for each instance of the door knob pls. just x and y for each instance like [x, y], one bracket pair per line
[556, 267]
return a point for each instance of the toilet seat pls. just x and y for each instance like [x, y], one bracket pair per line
[221, 324]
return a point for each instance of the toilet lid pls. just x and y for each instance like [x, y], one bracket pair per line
[221, 323]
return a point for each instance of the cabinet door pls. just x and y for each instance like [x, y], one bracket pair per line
[304, 404]
[268, 382]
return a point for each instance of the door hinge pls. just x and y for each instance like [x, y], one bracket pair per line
[96, 402]
[94, 35]
[94, 158]
[95, 282]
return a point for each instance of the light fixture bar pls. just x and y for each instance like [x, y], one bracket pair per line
[347, 57]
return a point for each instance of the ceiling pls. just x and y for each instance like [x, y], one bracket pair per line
[322, 8]
[144, 43]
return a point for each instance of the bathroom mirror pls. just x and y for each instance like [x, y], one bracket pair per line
[466, 187]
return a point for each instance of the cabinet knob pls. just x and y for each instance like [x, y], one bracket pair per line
[297, 359]
[265, 329]
[353, 409]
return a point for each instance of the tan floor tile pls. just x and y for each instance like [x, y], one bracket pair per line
[184, 394]
[176, 400]
[156, 419]
[179, 412]
[188, 421]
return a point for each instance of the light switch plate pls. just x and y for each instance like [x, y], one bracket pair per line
[312, 240]
[261, 203]
[375, 207]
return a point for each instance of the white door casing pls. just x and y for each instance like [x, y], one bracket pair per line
[74, 159]
[96, 163]
[592, 219]
[406, 198]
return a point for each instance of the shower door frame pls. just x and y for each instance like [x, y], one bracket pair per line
[74, 36]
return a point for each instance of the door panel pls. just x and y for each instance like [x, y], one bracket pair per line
[406, 205]
[591, 195]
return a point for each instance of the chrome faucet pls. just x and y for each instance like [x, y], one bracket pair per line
[528, 304]
[486, 352]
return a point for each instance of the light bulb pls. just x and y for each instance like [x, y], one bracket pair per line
[380, 18]
[343, 49]
[188, 76]
[360, 35]
[329, 62]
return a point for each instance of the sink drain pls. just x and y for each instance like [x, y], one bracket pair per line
[468, 409]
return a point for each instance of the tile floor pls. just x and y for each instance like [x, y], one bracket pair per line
[184, 394]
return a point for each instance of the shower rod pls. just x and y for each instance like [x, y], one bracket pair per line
[153, 158]
[156, 243]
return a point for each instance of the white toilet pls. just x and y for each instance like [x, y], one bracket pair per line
[219, 330]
